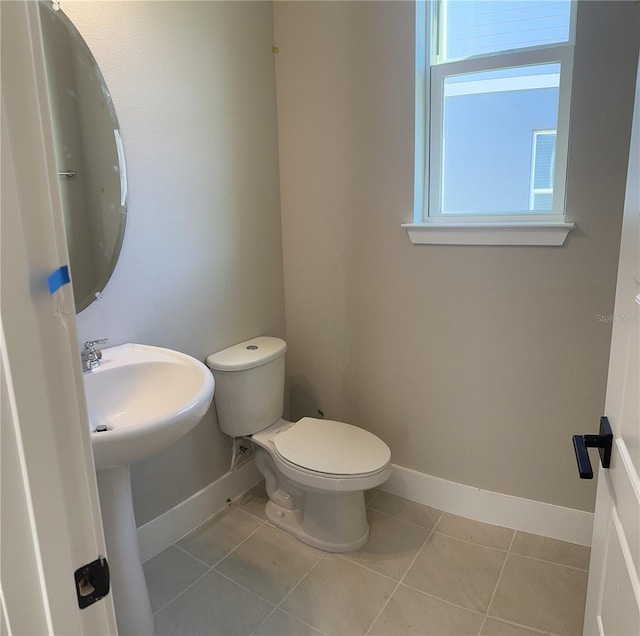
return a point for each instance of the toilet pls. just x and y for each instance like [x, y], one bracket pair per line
[315, 470]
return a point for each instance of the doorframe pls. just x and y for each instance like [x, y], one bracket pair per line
[51, 523]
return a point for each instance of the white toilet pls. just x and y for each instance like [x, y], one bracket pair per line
[316, 471]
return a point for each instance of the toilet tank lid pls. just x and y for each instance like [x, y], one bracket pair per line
[248, 354]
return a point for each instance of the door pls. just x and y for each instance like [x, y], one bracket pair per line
[613, 594]
[48, 495]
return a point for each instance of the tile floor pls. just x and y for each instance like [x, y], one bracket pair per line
[422, 572]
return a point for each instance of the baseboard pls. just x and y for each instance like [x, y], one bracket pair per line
[163, 531]
[527, 515]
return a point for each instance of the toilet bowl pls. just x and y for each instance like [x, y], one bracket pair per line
[315, 470]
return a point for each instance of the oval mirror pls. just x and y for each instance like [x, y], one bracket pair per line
[89, 154]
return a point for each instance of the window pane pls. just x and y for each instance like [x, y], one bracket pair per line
[544, 159]
[489, 119]
[542, 202]
[476, 27]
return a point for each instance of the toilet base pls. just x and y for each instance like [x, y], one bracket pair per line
[323, 524]
[328, 513]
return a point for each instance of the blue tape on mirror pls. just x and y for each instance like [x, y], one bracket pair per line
[58, 278]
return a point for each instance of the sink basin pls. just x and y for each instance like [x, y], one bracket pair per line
[141, 399]
[147, 398]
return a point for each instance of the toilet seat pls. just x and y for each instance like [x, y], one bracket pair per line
[327, 447]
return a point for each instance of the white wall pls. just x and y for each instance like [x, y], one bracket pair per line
[201, 268]
[475, 364]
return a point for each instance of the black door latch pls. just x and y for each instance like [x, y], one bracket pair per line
[602, 442]
[92, 582]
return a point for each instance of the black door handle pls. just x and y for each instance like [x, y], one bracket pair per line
[602, 442]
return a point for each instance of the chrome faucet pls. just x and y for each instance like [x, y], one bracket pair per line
[90, 355]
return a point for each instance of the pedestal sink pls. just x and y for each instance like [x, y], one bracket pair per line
[141, 399]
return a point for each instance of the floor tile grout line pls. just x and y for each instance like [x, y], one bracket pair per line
[495, 587]
[195, 558]
[246, 512]
[302, 578]
[316, 629]
[209, 567]
[295, 618]
[244, 587]
[284, 598]
[211, 518]
[509, 622]
[434, 530]
[207, 520]
[395, 589]
[384, 607]
[344, 556]
[275, 606]
[186, 589]
[412, 587]
[369, 569]
[373, 498]
[443, 600]
[451, 536]
[480, 545]
[539, 560]
[431, 533]
[226, 554]
[411, 523]
[264, 620]
[484, 545]
[278, 606]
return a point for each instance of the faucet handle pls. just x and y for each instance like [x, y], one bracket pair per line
[90, 347]
[91, 356]
[91, 344]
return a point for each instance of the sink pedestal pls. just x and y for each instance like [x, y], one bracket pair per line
[128, 585]
[140, 400]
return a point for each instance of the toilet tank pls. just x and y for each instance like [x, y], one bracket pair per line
[249, 394]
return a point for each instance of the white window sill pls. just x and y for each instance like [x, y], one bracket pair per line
[507, 233]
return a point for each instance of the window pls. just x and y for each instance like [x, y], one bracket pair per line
[493, 84]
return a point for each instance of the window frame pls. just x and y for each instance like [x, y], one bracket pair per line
[429, 82]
